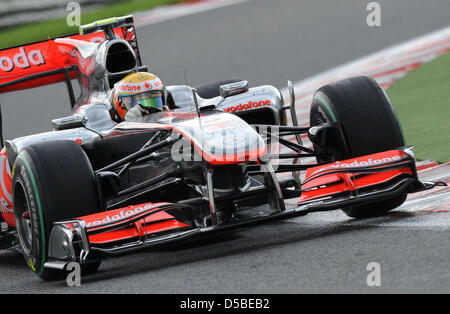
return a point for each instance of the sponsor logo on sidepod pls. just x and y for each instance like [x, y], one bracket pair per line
[247, 106]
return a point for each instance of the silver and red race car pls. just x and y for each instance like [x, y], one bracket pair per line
[219, 157]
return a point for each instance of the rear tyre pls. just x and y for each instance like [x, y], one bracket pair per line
[369, 125]
[52, 181]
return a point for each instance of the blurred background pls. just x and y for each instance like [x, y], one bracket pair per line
[24, 21]
[20, 12]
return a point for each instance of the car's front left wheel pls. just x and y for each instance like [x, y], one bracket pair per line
[52, 181]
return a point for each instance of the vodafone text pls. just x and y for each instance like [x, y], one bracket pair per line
[369, 162]
[247, 106]
[22, 59]
[121, 215]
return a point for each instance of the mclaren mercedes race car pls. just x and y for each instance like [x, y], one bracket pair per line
[222, 157]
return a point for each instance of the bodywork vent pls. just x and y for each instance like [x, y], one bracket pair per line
[120, 58]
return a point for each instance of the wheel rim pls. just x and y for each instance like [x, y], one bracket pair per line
[319, 119]
[24, 223]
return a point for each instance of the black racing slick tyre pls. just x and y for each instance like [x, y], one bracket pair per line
[369, 125]
[52, 181]
[211, 90]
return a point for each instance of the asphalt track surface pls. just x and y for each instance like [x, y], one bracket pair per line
[265, 42]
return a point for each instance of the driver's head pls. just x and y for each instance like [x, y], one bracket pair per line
[140, 88]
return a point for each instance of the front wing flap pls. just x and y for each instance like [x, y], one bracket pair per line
[353, 176]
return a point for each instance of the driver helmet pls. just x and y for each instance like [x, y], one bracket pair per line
[140, 88]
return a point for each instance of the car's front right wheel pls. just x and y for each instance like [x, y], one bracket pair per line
[369, 125]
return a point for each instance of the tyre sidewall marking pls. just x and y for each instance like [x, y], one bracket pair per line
[29, 183]
[324, 107]
[326, 104]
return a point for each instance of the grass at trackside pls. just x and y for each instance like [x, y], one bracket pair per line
[58, 27]
[422, 101]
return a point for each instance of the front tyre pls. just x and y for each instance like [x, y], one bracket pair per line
[52, 181]
[369, 125]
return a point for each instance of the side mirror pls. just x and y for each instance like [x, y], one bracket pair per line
[71, 122]
[233, 89]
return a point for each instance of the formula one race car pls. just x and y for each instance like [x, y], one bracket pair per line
[212, 162]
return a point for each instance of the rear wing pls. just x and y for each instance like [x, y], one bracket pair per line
[50, 61]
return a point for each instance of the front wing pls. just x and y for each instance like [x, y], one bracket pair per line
[356, 181]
